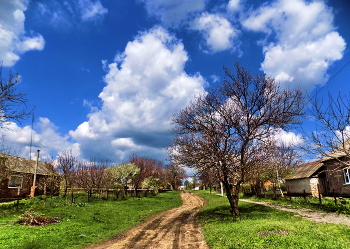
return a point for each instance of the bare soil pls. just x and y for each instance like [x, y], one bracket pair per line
[177, 228]
[312, 215]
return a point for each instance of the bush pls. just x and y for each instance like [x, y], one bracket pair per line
[151, 183]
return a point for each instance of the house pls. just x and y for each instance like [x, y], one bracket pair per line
[336, 177]
[305, 179]
[17, 175]
[329, 177]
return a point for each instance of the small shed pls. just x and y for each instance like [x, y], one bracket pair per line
[306, 179]
[17, 175]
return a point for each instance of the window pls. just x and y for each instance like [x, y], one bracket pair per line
[15, 181]
[346, 175]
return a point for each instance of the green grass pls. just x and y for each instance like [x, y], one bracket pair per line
[328, 204]
[263, 227]
[82, 223]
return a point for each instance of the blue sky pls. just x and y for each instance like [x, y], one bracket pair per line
[106, 76]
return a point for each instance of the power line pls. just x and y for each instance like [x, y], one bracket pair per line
[331, 79]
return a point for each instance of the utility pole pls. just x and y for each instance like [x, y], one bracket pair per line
[33, 188]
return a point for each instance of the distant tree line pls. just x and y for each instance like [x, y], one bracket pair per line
[96, 175]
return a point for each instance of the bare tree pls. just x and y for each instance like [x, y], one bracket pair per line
[272, 163]
[174, 175]
[223, 129]
[98, 174]
[11, 101]
[82, 178]
[148, 168]
[208, 178]
[50, 183]
[330, 138]
[92, 175]
[66, 165]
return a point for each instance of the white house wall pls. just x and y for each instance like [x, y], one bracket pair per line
[297, 186]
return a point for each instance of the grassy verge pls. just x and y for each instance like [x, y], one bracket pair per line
[328, 205]
[82, 223]
[264, 227]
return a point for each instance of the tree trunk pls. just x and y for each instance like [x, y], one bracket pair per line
[126, 190]
[232, 196]
[257, 188]
[72, 196]
[65, 188]
[136, 191]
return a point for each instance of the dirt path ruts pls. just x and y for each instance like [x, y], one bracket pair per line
[312, 215]
[176, 228]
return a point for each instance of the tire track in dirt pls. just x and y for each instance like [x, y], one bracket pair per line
[176, 228]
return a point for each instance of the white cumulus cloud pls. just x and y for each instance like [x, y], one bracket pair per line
[146, 85]
[20, 141]
[234, 5]
[301, 41]
[216, 30]
[288, 138]
[14, 39]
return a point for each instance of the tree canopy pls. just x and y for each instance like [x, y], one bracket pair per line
[223, 129]
[124, 173]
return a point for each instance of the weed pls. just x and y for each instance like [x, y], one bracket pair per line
[31, 243]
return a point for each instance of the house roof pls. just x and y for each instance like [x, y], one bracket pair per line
[306, 170]
[22, 165]
[342, 150]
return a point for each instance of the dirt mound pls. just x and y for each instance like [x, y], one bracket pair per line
[31, 219]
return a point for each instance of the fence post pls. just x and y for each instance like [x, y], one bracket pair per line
[18, 192]
[335, 197]
[304, 195]
[319, 194]
[288, 193]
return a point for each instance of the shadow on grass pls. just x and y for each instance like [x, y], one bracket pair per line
[247, 211]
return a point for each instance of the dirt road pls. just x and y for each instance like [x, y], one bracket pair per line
[173, 229]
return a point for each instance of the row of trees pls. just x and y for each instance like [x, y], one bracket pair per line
[228, 133]
[94, 175]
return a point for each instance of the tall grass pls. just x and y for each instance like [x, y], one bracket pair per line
[82, 223]
[263, 227]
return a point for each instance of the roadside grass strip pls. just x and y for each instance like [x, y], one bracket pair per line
[264, 227]
[81, 224]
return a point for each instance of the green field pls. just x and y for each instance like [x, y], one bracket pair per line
[82, 223]
[263, 227]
